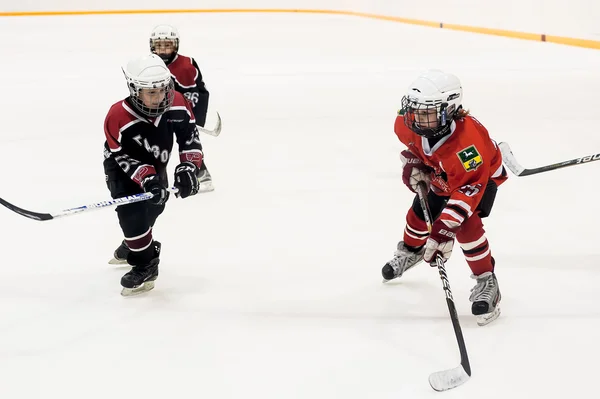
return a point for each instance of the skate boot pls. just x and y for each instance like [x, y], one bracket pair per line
[404, 259]
[204, 180]
[141, 277]
[120, 255]
[486, 298]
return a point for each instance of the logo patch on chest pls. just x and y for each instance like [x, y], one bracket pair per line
[470, 158]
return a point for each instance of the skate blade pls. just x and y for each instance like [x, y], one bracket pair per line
[144, 287]
[487, 318]
[205, 187]
[115, 261]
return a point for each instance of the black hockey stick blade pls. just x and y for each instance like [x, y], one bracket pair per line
[26, 213]
[515, 167]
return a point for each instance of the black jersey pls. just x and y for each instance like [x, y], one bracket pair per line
[142, 146]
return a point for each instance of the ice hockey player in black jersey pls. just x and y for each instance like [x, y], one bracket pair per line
[164, 42]
[140, 132]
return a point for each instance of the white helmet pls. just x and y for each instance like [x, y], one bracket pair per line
[147, 73]
[165, 32]
[435, 94]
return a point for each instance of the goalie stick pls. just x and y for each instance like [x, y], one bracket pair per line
[451, 378]
[42, 217]
[216, 131]
[515, 167]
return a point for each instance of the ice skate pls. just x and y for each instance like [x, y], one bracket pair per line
[141, 278]
[205, 181]
[403, 260]
[486, 298]
[120, 255]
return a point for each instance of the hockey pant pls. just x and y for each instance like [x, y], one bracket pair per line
[136, 219]
[470, 236]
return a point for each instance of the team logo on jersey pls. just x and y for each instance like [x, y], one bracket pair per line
[470, 158]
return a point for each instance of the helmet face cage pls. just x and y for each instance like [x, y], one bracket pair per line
[430, 119]
[136, 93]
[161, 40]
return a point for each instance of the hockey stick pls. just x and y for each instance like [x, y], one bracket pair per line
[515, 167]
[216, 131]
[447, 379]
[130, 199]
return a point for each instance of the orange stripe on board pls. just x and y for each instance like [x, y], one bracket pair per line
[495, 32]
[574, 42]
[178, 11]
[569, 41]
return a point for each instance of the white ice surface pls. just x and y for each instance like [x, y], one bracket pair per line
[270, 286]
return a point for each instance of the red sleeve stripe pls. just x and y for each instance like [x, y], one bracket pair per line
[184, 108]
[127, 126]
[498, 171]
[458, 210]
[449, 221]
[452, 214]
[184, 86]
[180, 108]
[461, 204]
[113, 144]
[142, 172]
[194, 156]
[197, 71]
[131, 112]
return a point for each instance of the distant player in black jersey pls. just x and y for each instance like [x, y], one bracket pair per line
[140, 132]
[164, 42]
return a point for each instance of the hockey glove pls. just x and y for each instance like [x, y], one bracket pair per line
[414, 171]
[186, 180]
[151, 184]
[440, 241]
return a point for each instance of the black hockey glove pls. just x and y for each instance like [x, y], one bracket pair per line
[185, 179]
[151, 184]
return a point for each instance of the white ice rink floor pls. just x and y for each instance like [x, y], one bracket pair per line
[270, 286]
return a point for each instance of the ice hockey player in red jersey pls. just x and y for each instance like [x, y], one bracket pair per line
[140, 132]
[461, 165]
[187, 78]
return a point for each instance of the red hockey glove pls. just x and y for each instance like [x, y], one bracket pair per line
[440, 241]
[414, 171]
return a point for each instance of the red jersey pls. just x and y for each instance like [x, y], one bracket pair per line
[463, 163]
[189, 82]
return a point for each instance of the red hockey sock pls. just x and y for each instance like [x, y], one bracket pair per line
[415, 232]
[141, 242]
[475, 246]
